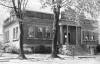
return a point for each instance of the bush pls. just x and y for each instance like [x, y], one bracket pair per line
[48, 49]
[41, 49]
[65, 50]
[12, 49]
[98, 49]
[27, 50]
[2, 46]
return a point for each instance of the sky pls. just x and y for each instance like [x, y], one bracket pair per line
[32, 5]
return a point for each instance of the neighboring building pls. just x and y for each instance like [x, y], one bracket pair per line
[79, 33]
[37, 28]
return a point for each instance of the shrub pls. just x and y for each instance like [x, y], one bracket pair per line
[98, 49]
[2, 46]
[27, 50]
[65, 50]
[12, 49]
[41, 49]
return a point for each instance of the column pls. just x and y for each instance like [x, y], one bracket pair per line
[81, 35]
[67, 34]
[76, 36]
[61, 35]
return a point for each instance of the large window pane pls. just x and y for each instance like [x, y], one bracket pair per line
[47, 32]
[31, 31]
[39, 31]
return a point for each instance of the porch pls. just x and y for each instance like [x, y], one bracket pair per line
[70, 33]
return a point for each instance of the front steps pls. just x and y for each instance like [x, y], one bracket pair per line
[73, 50]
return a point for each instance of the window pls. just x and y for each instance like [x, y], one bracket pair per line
[92, 37]
[39, 31]
[7, 36]
[15, 33]
[12, 18]
[85, 35]
[31, 31]
[88, 35]
[43, 32]
[47, 32]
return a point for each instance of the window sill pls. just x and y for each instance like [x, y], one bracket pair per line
[39, 38]
[15, 40]
[89, 40]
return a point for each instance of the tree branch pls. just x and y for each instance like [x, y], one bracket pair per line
[5, 5]
[15, 8]
[24, 4]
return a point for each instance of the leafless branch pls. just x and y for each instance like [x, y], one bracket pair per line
[15, 8]
[25, 3]
[5, 5]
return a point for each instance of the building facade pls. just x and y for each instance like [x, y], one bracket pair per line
[37, 28]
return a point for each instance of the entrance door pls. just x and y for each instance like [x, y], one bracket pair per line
[72, 35]
[69, 38]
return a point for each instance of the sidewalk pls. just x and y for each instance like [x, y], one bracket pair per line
[44, 59]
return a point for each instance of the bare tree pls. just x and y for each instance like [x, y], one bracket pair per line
[18, 6]
[80, 6]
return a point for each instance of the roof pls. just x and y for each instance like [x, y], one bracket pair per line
[36, 14]
[70, 23]
[33, 16]
[88, 24]
[37, 20]
[7, 19]
[85, 24]
[40, 15]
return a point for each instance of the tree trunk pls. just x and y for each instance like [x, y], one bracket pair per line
[55, 31]
[19, 15]
[21, 53]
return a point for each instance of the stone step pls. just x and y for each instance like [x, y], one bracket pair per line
[73, 50]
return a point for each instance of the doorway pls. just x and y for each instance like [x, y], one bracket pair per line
[72, 35]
